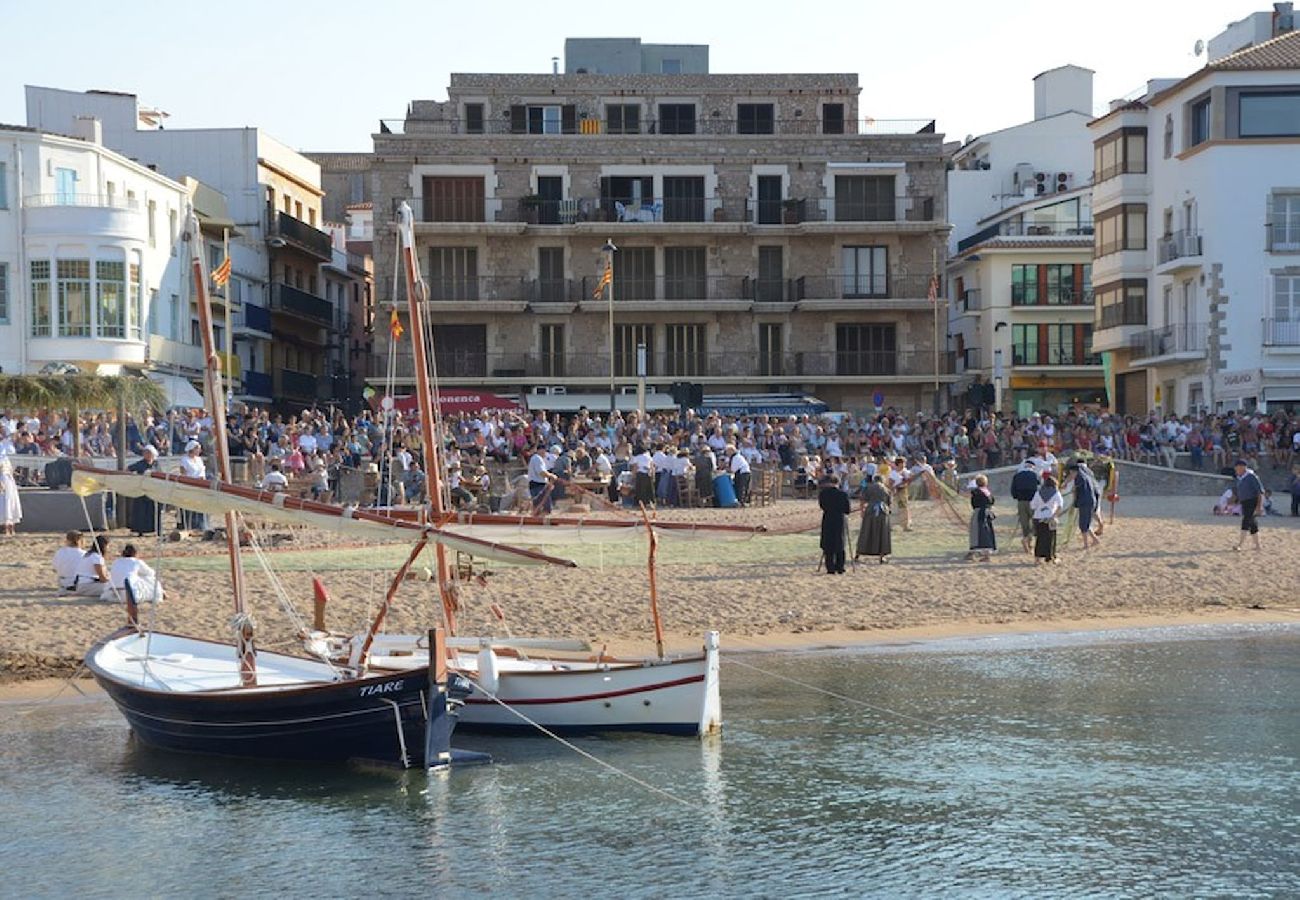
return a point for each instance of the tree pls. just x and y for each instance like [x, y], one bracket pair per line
[75, 392]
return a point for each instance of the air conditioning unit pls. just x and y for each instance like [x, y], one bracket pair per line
[1041, 182]
[1064, 181]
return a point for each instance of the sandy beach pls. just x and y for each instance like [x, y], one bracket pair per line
[1165, 561]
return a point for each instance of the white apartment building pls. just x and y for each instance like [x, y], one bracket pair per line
[1196, 200]
[282, 321]
[1020, 254]
[91, 270]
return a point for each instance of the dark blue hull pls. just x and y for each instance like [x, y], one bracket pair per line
[328, 722]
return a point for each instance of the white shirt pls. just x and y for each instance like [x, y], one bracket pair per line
[1046, 509]
[274, 480]
[193, 466]
[133, 567]
[739, 465]
[1044, 464]
[603, 466]
[642, 463]
[85, 570]
[65, 564]
[537, 469]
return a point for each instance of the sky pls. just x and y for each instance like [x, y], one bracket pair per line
[319, 75]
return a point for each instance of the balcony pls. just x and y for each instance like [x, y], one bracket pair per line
[258, 384]
[298, 385]
[1179, 250]
[1046, 232]
[971, 300]
[588, 127]
[1185, 340]
[103, 215]
[523, 368]
[1283, 237]
[164, 353]
[968, 359]
[1023, 296]
[253, 319]
[1119, 315]
[285, 229]
[1282, 333]
[294, 302]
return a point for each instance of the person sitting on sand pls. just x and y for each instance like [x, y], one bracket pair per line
[130, 569]
[91, 575]
[66, 559]
[1227, 505]
[275, 480]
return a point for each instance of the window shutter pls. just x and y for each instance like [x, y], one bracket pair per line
[569, 119]
[518, 119]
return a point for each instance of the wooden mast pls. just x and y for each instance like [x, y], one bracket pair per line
[221, 447]
[416, 294]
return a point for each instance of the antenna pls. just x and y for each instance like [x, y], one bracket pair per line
[1198, 48]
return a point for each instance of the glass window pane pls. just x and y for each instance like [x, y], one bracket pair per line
[1266, 115]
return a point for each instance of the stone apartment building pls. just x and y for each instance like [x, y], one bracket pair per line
[770, 238]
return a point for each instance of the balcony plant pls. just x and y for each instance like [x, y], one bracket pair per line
[530, 206]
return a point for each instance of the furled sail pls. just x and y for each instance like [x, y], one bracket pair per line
[549, 530]
[214, 497]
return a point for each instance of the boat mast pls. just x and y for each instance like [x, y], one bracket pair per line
[416, 294]
[243, 623]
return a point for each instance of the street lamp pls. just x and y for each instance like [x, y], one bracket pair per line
[608, 279]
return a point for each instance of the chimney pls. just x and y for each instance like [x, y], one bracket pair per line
[88, 128]
[1283, 18]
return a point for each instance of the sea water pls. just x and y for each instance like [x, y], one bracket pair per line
[1155, 763]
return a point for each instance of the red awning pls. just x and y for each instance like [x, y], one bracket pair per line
[453, 402]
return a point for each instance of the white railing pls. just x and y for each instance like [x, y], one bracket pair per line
[107, 201]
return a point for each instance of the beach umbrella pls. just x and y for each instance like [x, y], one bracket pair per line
[75, 390]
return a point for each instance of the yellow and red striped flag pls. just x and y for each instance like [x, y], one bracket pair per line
[221, 274]
[395, 326]
[605, 280]
[934, 289]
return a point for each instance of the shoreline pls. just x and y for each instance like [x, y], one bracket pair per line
[43, 687]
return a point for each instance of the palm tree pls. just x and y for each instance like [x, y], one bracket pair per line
[77, 391]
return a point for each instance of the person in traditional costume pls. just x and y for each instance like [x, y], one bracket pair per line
[875, 537]
[193, 466]
[11, 506]
[142, 513]
[835, 508]
[1047, 505]
[983, 539]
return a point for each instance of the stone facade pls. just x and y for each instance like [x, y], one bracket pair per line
[529, 252]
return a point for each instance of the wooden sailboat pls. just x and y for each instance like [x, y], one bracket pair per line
[196, 695]
[557, 684]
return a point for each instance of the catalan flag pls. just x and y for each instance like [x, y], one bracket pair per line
[221, 274]
[395, 326]
[934, 289]
[606, 279]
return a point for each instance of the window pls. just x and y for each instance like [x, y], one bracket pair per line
[670, 67]
[1024, 345]
[550, 274]
[865, 350]
[1122, 227]
[74, 297]
[1089, 357]
[172, 231]
[1024, 285]
[832, 118]
[684, 273]
[1060, 283]
[174, 317]
[1199, 125]
[453, 199]
[1284, 230]
[864, 198]
[1122, 303]
[626, 340]
[1060, 345]
[548, 119]
[1269, 115]
[865, 271]
[1121, 152]
[153, 223]
[634, 273]
[4, 293]
[4, 188]
[1169, 136]
[311, 217]
[683, 199]
[552, 351]
[453, 273]
[685, 353]
[110, 298]
[40, 278]
[755, 118]
[770, 285]
[677, 118]
[473, 118]
[65, 186]
[770, 345]
[461, 350]
[1286, 298]
[622, 118]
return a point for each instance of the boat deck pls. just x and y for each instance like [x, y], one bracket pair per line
[182, 664]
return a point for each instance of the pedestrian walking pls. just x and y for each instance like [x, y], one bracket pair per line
[1250, 494]
[1047, 505]
[983, 539]
[1024, 484]
[875, 536]
[835, 509]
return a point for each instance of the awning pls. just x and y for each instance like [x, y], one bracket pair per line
[597, 403]
[1065, 383]
[763, 405]
[180, 393]
[454, 402]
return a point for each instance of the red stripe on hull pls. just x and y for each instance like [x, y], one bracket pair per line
[586, 697]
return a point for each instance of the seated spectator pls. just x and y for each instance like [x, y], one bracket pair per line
[66, 559]
[130, 569]
[90, 578]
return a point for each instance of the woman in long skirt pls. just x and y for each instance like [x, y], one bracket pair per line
[1046, 505]
[983, 539]
[11, 506]
[875, 537]
[1086, 496]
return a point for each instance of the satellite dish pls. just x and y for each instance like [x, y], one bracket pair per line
[1198, 48]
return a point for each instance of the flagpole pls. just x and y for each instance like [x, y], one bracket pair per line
[608, 279]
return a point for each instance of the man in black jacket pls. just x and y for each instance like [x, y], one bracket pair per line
[835, 508]
[1024, 484]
